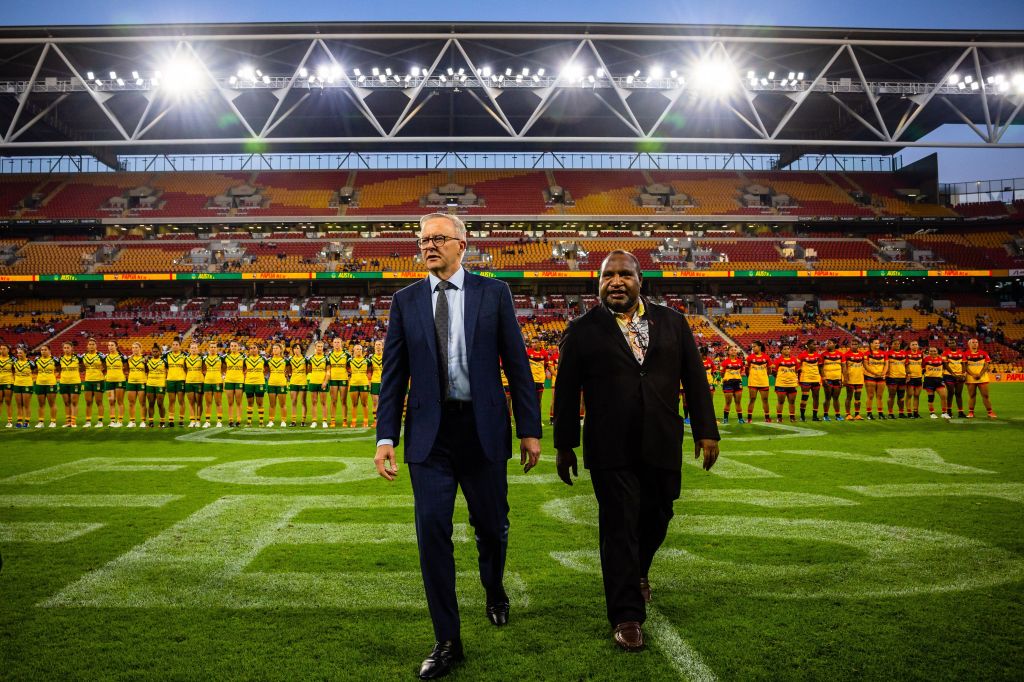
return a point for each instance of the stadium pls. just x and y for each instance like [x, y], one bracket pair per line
[202, 225]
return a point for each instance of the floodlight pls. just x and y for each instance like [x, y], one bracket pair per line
[303, 73]
[629, 78]
[259, 73]
[362, 79]
[974, 86]
[99, 82]
[387, 71]
[636, 74]
[382, 78]
[536, 78]
[771, 75]
[337, 71]
[961, 85]
[990, 80]
[416, 71]
[508, 71]
[1004, 86]
[954, 79]
[375, 71]
[462, 78]
[791, 76]
[674, 73]
[135, 75]
[540, 71]
[356, 72]
[519, 78]
[648, 79]
[407, 78]
[800, 76]
[451, 71]
[120, 81]
[968, 79]
[312, 78]
[526, 71]
[322, 72]
[657, 72]
[138, 81]
[591, 78]
[90, 76]
[181, 75]
[487, 72]
[751, 74]
[461, 71]
[443, 78]
[753, 80]
[764, 81]
[113, 75]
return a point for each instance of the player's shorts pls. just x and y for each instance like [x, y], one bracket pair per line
[70, 389]
[232, 386]
[6, 385]
[950, 379]
[212, 388]
[374, 389]
[894, 382]
[853, 387]
[129, 386]
[277, 390]
[834, 383]
[732, 385]
[194, 387]
[916, 381]
[297, 388]
[92, 386]
[785, 389]
[933, 383]
[365, 388]
[337, 383]
[45, 389]
[175, 386]
[23, 390]
[873, 380]
[314, 387]
[257, 390]
[807, 385]
[156, 390]
[758, 388]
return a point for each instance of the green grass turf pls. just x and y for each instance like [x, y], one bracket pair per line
[772, 570]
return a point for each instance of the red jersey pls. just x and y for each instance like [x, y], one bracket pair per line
[955, 359]
[538, 364]
[897, 364]
[732, 369]
[786, 371]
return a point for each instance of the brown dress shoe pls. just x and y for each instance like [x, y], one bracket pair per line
[645, 590]
[629, 636]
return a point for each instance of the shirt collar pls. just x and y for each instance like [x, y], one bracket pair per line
[458, 279]
[637, 314]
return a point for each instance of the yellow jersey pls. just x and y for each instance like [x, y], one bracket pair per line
[933, 368]
[136, 370]
[213, 364]
[914, 365]
[298, 365]
[538, 360]
[975, 362]
[22, 372]
[70, 370]
[339, 365]
[955, 362]
[897, 368]
[194, 369]
[317, 369]
[115, 366]
[6, 371]
[175, 366]
[235, 364]
[93, 366]
[359, 372]
[786, 372]
[46, 371]
[757, 370]
[377, 364]
[832, 365]
[278, 367]
[157, 368]
[732, 369]
[874, 363]
[810, 369]
[854, 367]
[254, 367]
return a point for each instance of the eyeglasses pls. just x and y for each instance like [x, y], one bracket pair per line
[438, 240]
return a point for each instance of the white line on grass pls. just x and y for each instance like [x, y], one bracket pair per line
[44, 531]
[1014, 492]
[683, 657]
[53, 501]
[103, 464]
[246, 472]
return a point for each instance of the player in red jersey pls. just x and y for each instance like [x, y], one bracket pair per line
[853, 378]
[915, 376]
[810, 379]
[896, 377]
[759, 367]
[876, 362]
[832, 378]
[787, 369]
[955, 377]
[933, 366]
[732, 383]
[976, 364]
[538, 358]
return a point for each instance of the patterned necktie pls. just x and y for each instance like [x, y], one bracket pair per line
[441, 333]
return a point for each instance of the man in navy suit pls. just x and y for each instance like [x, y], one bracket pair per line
[446, 335]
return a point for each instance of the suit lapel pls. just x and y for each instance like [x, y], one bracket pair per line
[473, 294]
[426, 314]
[608, 320]
[655, 332]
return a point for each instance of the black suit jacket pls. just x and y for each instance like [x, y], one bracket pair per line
[632, 408]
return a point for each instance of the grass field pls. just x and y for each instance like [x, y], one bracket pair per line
[870, 550]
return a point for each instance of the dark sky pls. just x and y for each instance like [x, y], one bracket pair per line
[954, 165]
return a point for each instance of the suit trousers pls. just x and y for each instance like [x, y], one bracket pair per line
[457, 460]
[634, 510]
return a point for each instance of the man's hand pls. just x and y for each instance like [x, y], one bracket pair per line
[529, 449]
[386, 454]
[710, 450]
[564, 461]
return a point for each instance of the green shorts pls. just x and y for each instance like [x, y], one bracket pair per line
[45, 389]
[297, 388]
[374, 389]
[92, 386]
[193, 387]
[337, 382]
[315, 388]
[70, 389]
[232, 386]
[112, 385]
[358, 389]
[277, 390]
[255, 389]
[134, 387]
[212, 388]
[175, 386]
[156, 390]
[22, 389]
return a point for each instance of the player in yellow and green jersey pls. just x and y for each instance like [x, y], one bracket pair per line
[46, 386]
[297, 363]
[277, 382]
[194, 385]
[255, 385]
[114, 381]
[156, 386]
[234, 378]
[70, 383]
[135, 386]
[7, 382]
[337, 360]
[213, 384]
[376, 372]
[22, 387]
[175, 360]
[316, 383]
[92, 386]
[359, 384]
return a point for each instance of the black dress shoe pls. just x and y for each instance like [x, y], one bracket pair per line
[497, 612]
[441, 660]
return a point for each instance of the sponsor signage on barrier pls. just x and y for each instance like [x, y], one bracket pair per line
[764, 273]
[831, 273]
[896, 273]
[277, 275]
[137, 277]
[558, 274]
[1009, 377]
[365, 275]
[959, 273]
[1015, 273]
[72, 278]
[17, 278]
[689, 273]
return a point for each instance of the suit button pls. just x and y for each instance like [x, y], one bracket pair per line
[643, 374]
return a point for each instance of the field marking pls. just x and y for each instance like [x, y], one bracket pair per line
[788, 431]
[84, 501]
[245, 472]
[683, 657]
[1014, 492]
[216, 435]
[726, 467]
[771, 499]
[45, 531]
[923, 459]
[60, 472]
[202, 562]
[332, 533]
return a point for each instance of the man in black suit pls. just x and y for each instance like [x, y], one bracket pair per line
[448, 335]
[628, 357]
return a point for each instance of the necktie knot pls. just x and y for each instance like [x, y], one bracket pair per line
[443, 285]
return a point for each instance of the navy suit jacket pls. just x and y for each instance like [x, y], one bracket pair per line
[410, 352]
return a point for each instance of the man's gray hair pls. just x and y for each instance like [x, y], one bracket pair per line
[456, 221]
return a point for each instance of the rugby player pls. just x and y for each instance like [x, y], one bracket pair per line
[976, 363]
[114, 382]
[135, 386]
[175, 360]
[810, 379]
[92, 386]
[316, 383]
[376, 372]
[915, 375]
[875, 362]
[70, 383]
[213, 384]
[156, 386]
[853, 378]
[955, 377]
[277, 383]
[194, 385]
[234, 380]
[359, 384]
[297, 363]
[759, 367]
[22, 388]
[255, 383]
[933, 383]
[337, 361]
[732, 383]
[787, 369]
[832, 379]
[896, 377]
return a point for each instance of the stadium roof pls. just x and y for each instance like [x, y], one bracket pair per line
[222, 88]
